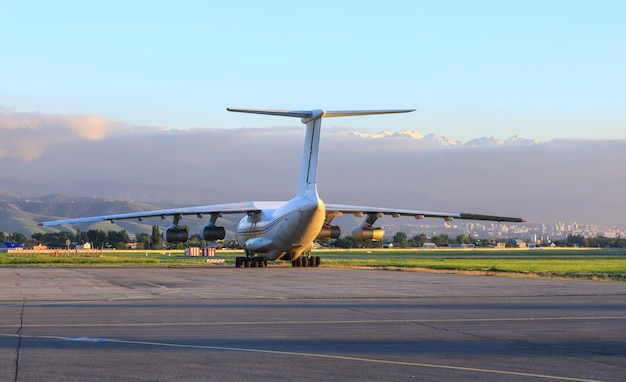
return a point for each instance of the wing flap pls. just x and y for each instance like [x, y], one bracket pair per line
[388, 211]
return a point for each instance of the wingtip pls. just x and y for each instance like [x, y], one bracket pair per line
[499, 219]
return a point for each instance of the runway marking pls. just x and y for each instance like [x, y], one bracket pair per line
[156, 285]
[322, 322]
[302, 354]
[137, 297]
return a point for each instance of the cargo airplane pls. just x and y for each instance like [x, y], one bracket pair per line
[286, 230]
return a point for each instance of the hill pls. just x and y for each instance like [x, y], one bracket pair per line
[23, 215]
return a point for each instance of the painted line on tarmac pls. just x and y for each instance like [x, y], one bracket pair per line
[301, 354]
[156, 285]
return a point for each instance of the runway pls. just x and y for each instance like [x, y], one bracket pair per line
[305, 324]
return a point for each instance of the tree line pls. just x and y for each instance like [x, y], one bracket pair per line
[101, 239]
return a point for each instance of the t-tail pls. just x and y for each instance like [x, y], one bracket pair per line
[307, 182]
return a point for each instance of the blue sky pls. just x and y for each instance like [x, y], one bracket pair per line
[540, 69]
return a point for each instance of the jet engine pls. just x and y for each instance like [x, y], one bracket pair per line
[362, 233]
[329, 232]
[176, 235]
[210, 232]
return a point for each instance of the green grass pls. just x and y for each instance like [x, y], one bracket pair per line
[101, 258]
[572, 263]
[607, 264]
[600, 267]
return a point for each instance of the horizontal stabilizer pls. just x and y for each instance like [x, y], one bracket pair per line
[284, 113]
[348, 113]
[307, 114]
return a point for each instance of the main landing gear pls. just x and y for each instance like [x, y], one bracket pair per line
[251, 261]
[309, 261]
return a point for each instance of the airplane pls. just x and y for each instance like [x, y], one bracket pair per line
[286, 230]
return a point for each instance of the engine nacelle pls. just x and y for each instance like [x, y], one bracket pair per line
[176, 235]
[210, 232]
[329, 232]
[361, 233]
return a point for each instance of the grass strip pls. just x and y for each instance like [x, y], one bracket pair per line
[607, 264]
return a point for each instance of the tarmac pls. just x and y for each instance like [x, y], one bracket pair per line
[305, 324]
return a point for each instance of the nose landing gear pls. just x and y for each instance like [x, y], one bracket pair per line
[250, 261]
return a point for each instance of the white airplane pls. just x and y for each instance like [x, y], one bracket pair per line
[286, 230]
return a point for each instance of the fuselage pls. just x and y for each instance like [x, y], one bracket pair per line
[288, 230]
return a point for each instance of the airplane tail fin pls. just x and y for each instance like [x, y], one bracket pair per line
[307, 183]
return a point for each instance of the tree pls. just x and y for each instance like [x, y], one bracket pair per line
[441, 240]
[53, 240]
[143, 240]
[345, 242]
[81, 237]
[576, 241]
[195, 240]
[155, 239]
[118, 239]
[18, 238]
[400, 240]
[419, 240]
[97, 237]
[463, 239]
[484, 242]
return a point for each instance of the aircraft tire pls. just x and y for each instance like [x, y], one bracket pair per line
[238, 262]
[318, 261]
[246, 262]
[259, 262]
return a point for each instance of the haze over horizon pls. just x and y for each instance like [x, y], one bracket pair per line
[559, 180]
[127, 100]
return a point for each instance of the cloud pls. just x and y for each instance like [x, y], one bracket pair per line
[553, 181]
[87, 126]
[26, 136]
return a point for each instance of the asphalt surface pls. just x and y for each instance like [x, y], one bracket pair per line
[303, 324]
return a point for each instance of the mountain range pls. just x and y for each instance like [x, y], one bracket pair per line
[434, 140]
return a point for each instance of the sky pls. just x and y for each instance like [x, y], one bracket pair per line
[540, 69]
[127, 99]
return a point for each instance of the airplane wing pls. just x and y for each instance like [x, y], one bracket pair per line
[379, 212]
[245, 207]
[228, 208]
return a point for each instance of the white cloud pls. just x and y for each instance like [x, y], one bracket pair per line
[26, 136]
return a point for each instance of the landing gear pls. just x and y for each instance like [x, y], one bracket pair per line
[309, 261]
[251, 262]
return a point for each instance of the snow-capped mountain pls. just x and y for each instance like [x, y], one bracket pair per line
[517, 140]
[434, 140]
